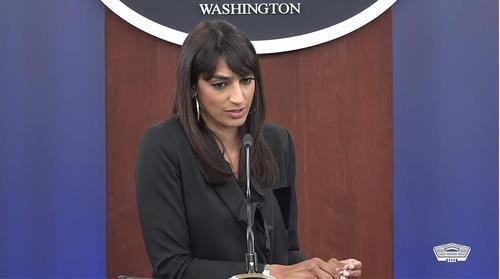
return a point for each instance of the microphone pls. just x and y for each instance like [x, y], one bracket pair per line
[247, 141]
[250, 256]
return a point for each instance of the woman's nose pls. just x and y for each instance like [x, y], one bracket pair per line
[237, 94]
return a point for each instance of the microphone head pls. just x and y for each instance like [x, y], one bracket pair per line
[247, 140]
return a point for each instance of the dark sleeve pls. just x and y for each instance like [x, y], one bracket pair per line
[162, 213]
[294, 253]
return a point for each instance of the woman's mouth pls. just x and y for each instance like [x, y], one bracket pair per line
[236, 113]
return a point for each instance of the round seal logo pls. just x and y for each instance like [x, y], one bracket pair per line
[272, 26]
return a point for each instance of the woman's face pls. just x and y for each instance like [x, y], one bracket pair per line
[225, 99]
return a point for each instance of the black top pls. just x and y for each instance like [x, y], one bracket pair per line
[192, 229]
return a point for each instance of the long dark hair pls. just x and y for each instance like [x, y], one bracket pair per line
[202, 50]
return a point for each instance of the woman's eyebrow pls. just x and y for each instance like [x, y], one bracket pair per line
[220, 76]
[224, 77]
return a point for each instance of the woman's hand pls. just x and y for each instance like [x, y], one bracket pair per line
[312, 268]
[350, 268]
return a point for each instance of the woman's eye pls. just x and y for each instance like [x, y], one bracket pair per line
[246, 81]
[219, 85]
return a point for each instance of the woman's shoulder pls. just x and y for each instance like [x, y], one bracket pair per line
[274, 128]
[275, 131]
[166, 133]
[170, 126]
[277, 136]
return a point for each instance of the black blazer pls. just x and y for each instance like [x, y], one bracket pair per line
[192, 229]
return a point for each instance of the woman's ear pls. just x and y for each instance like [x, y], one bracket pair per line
[194, 91]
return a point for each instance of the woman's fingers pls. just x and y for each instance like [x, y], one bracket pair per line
[351, 273]
[352, 264]
[322, 269]
[332, 270]
[351, 268]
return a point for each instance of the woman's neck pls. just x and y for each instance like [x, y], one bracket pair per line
[229, 139]
[229, 145]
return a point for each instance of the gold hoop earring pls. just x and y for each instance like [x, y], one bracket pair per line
[197, 109]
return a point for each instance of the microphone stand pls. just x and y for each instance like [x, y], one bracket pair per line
[250, 256]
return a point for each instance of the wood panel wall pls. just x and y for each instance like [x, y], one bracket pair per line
[336, 100]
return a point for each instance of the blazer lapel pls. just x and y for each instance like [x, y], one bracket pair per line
[233, 197]
[235, 200]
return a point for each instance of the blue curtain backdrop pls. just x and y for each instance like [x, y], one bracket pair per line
[445, 136]
[52, 139]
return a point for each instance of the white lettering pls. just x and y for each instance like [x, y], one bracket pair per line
[263, 9]
[252, 9]
[284, 9]
[216, 10]
[273, 8]
[226, 9]
[205, 9]
[249, 9]
[238, 9]
[295, 8]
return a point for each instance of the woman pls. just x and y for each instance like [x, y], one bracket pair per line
[190, 171]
